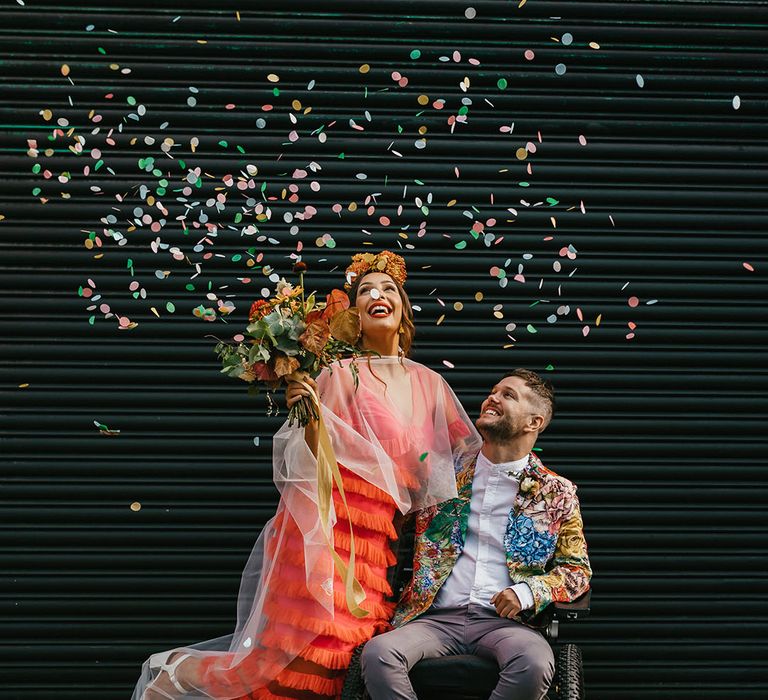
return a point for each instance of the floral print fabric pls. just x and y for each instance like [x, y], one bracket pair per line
[544, 542]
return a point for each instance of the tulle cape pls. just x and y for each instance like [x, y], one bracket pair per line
[399, 427]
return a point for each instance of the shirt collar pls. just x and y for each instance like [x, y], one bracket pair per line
[512, 469]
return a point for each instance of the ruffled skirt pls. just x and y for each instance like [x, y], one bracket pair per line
[319, 670]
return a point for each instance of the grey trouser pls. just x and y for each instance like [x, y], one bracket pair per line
[525, 659]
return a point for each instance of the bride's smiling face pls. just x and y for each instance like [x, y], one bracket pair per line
[380, 305]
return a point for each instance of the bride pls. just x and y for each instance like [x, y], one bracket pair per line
[396, 429]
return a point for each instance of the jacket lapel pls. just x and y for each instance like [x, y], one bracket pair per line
[530, 485]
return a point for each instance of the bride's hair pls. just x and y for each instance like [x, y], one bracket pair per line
[406, 323]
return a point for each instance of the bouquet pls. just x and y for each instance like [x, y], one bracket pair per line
[291, 336]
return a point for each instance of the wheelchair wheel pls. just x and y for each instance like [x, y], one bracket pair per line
[354, 686]
[569, 674]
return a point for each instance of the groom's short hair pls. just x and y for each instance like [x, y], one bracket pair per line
[544, 392]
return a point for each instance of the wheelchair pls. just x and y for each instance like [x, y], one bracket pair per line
[468, 677]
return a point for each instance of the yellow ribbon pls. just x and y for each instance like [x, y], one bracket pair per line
[328, 473]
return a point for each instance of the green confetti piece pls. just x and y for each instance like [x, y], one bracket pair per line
[415, 54]
[102, 51]
[330, 243]
[549, 368]
[170, 307]
[131, 100]
[460, 245]
[251, 251]
[502, 274]
[276, 91]
[223, 144]
[190, 287]
[157, 173]
[238, 217]
[98, 165]
[182, 164]
[399, 129]
[501, 83]
[531, 329]
[463, 110]
[538, 449]
[552, 201]
[36, 168]
[524, 184]
[341, 156]
[418, 182]
[237, 257]
[163, 182]
[36, 191]
[241, 149]
[535, 303]
[160, 191]
[79, 291]
[92, 320]
[423, 456]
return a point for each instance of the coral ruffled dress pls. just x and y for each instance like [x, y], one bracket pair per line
[395, 436]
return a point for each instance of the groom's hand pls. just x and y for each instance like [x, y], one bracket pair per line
[507, 603]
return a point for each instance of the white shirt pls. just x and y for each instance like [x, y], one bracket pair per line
[481, 569]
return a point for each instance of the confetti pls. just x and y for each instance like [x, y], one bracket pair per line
[747, 266]
[470, 13]
[448, 364]
[135, 506]
[105, 430]
[736, 102]
[196, 220]
[640, 80]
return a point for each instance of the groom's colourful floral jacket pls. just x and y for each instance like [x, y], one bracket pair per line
[544, 542]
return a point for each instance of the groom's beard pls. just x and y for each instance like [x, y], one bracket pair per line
[498, 431]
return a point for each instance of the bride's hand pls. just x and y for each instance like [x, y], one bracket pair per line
[295, 392]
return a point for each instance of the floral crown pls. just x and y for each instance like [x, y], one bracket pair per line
[386, 261]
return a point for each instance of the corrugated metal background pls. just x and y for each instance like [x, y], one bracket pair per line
[664, 433]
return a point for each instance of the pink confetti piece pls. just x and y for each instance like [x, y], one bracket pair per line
[448, 364]
[747, 266]
[633, 302]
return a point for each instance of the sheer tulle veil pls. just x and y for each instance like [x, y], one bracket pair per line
[402, 430]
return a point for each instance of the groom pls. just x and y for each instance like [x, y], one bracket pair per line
[486, 563]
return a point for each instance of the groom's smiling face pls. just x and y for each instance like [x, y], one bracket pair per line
[507, 410]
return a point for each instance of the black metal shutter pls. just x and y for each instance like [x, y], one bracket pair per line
[662, 432]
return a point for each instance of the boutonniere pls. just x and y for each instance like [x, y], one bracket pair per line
[530, 486]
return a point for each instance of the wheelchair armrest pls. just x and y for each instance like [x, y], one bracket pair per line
[575, 610]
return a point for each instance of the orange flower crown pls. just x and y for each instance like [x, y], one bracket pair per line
[386, 261]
